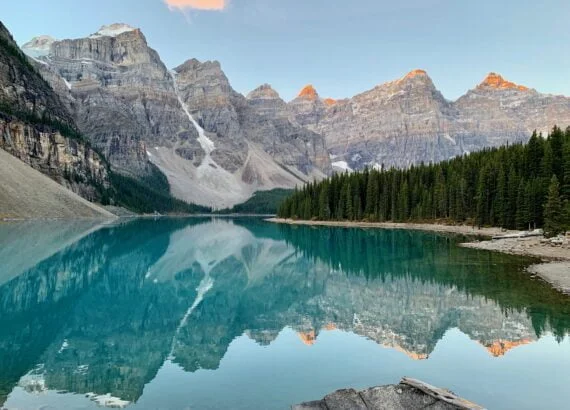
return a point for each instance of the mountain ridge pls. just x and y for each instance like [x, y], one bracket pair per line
[215, 146]
[398, 123]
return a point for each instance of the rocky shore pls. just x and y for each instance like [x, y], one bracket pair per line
[554, 254]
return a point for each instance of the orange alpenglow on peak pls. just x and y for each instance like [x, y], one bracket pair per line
[415, 73]
[309, 92]
[494, 80]
[412, 74]
[329, 101]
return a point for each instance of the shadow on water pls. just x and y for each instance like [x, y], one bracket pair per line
[102, 308]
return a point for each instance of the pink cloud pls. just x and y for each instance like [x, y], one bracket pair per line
[197, 4]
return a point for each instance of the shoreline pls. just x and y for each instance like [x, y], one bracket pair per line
[456, 229]
[554, 267]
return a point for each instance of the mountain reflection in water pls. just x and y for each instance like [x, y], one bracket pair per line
[110, 313]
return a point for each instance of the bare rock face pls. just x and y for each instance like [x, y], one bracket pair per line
[309, 108]
[498, 111]
[408, 121]
[33, 121]
[395, 124]
[207, 93]
[120, 92]
[69, 162]
[267, 120]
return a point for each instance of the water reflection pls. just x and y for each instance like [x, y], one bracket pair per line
[103, 314]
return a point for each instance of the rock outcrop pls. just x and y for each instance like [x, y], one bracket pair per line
[36, 127]
[70, 162]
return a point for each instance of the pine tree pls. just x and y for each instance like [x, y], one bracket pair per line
[534, 154]
[372, 199]
[522, 206]
[553, 223]
[565, 190]
[324, 207]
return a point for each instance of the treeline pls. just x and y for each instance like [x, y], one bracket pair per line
[262, 202]
[520, 186]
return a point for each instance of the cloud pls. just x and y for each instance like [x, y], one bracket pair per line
[212, 5]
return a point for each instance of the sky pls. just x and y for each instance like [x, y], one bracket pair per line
[341, 47]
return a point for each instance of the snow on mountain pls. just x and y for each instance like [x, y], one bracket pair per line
[38, 46]
[112, 30]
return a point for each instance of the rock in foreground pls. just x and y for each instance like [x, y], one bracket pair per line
[408, 395]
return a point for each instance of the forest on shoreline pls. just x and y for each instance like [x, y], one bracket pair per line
[521, 186]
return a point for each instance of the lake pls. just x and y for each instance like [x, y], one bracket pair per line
[243, 314]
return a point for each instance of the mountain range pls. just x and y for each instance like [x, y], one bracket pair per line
[217, 147]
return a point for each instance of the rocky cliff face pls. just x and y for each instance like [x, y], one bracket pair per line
[36, 127]
[217, 147]
[408, 121]
[188, 121]
[267, 120]
[119, 91]
[499, 111]
[69, 162]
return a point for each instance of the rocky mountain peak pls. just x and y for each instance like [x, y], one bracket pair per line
[309, 93]
[113, 30]
[329, 101]
[193, 64]
[496, 81]
[38, 46]
[419, 76]
[415, 73]
[265, 92]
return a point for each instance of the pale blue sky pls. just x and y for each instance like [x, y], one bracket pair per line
[341, 47]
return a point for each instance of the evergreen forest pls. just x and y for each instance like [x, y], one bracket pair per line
[521, 186]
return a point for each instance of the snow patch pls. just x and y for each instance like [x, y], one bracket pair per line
[206, 143]
[341, 165]
[67, 83]
[37, 60]
[448, 137]
[38, 46]
[112, 30]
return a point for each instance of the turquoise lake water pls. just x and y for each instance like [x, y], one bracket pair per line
[243, 314]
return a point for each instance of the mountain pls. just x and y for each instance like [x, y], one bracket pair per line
[36, 127]
[119, 91]
[215, 146]
[408, 121]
